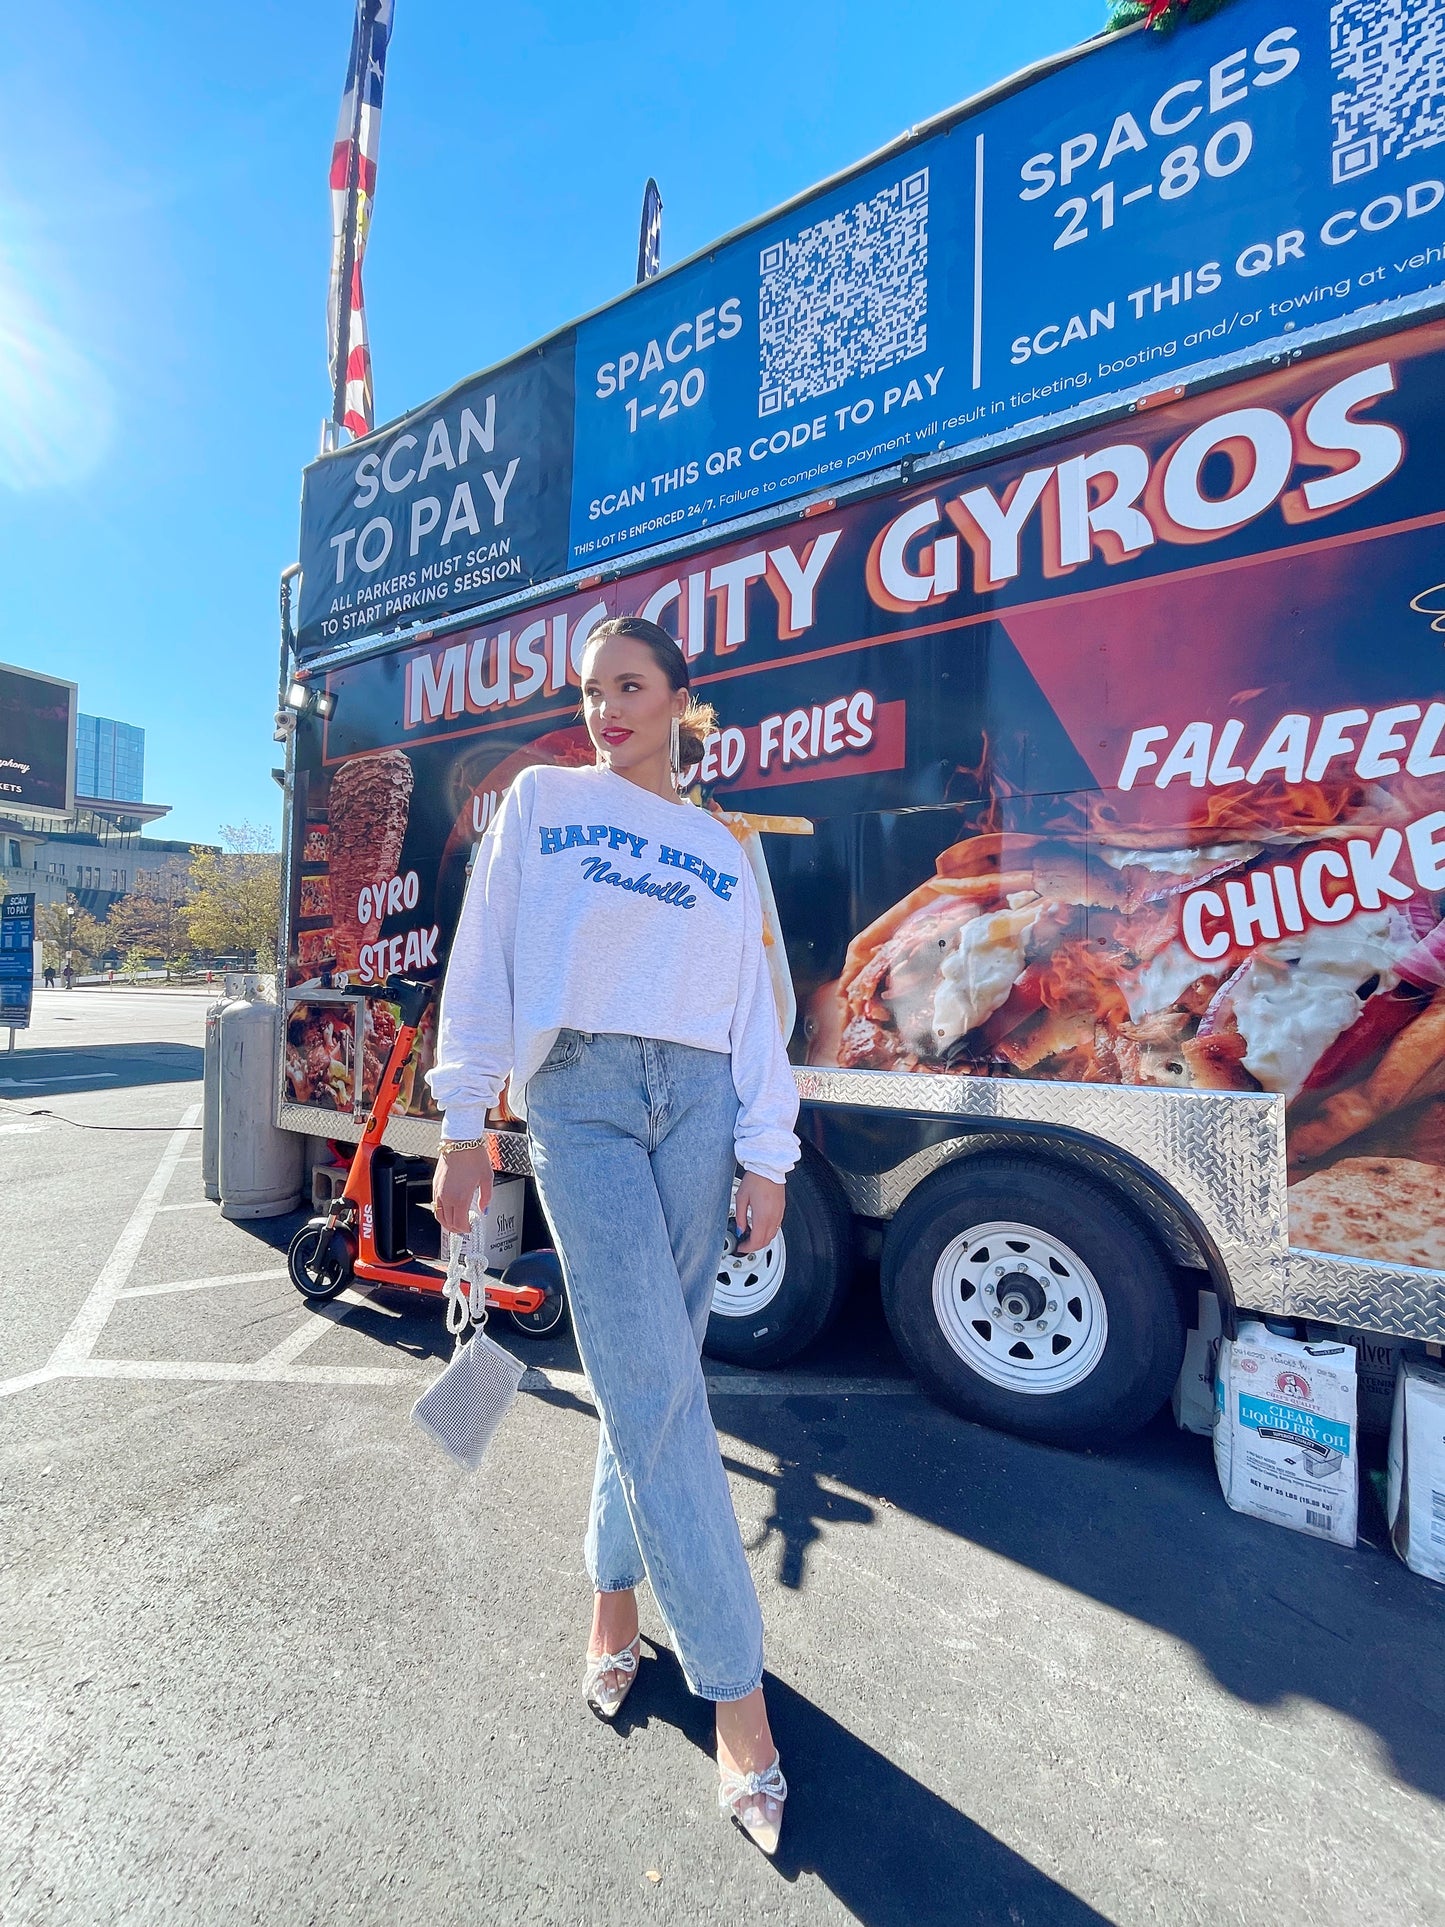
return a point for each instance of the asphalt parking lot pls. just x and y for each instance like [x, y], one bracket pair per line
[268, 1657]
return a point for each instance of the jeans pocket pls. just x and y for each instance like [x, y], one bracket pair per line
[566, 1050]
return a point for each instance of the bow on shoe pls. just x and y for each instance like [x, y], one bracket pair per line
[606, 1701]
[768, 1784]
[623, 1662]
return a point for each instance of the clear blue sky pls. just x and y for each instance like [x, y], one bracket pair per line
[164, 235]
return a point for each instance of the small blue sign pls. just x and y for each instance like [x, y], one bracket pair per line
[17, 959]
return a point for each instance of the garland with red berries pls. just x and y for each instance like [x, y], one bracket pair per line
[1163, 14]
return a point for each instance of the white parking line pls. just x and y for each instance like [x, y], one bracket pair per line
[195, 1204]
[319, 1321]
[746, 1385]
[273, 1370]
[25, 1380]
[805, 1385]
[222, 1372]
[83, 1077]
[89, 1322]
[200, 1284]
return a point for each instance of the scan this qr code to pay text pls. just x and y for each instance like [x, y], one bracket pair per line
[1389, 96]
[846, 297]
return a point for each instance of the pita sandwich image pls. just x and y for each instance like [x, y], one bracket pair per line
[1062, 955]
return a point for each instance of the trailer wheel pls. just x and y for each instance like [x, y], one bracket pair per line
[1025, 1297]
[769, 1306]
[335, 1275]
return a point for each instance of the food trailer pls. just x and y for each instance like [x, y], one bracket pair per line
[1065, 568]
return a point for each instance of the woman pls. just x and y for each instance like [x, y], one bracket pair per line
[609, 959]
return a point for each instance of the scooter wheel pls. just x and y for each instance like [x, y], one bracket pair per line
[334, 1274]
[542, 1270]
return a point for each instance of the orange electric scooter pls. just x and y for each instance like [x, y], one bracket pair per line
[365, 1236]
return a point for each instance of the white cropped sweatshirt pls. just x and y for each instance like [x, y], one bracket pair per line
[595, 905]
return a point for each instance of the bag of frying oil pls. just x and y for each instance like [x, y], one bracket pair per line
[1415, 1502]
[1284, 1432]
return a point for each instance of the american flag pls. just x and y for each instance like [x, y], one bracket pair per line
[649, 237]
[353, 189]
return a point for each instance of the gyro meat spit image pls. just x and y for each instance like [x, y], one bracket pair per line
[369, 804]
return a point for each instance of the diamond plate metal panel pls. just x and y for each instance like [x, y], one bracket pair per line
[413, 1136]
[1222, 1152]
[510, 1151]
[1401, 1299]
[879, 1194]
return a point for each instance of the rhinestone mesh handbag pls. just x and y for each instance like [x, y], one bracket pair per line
[462, 1409]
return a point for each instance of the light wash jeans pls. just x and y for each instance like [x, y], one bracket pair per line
[632, 1148]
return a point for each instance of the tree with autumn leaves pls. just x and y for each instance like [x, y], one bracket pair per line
[151, 919]
[70, 934]
[234, 901]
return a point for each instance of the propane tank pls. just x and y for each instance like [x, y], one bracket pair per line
[211, 1105]
[260, 1167]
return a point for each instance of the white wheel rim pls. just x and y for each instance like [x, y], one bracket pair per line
[541, 1331]
[1020, 1308]
[745, 1285]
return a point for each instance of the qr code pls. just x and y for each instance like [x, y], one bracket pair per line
[846, 297]
[1389, 62]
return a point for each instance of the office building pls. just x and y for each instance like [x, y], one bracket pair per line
[109, 760]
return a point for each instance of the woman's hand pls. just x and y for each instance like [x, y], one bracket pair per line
[758, 1211]
[460, 1177]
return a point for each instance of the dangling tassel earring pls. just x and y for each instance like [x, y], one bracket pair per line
[676, 752]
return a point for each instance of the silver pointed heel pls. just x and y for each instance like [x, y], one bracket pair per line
[605, 1700]
[754, 1802]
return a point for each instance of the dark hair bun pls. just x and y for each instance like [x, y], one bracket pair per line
[697, 723]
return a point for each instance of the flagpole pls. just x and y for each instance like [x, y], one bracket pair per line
[348, 241]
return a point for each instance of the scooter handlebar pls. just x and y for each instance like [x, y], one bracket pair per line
[413, 997]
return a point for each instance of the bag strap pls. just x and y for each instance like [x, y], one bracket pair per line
[466, 1281]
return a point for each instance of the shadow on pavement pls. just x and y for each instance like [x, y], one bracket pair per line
[892, 1851]
[1143, 1530]
[54, 1072]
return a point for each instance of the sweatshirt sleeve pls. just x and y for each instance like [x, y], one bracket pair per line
[475, 1025]
[763, 1078]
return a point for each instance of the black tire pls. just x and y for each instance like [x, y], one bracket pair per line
[1126, 1361]
[766, 1313]
[541, 1268]
[340, 1257]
